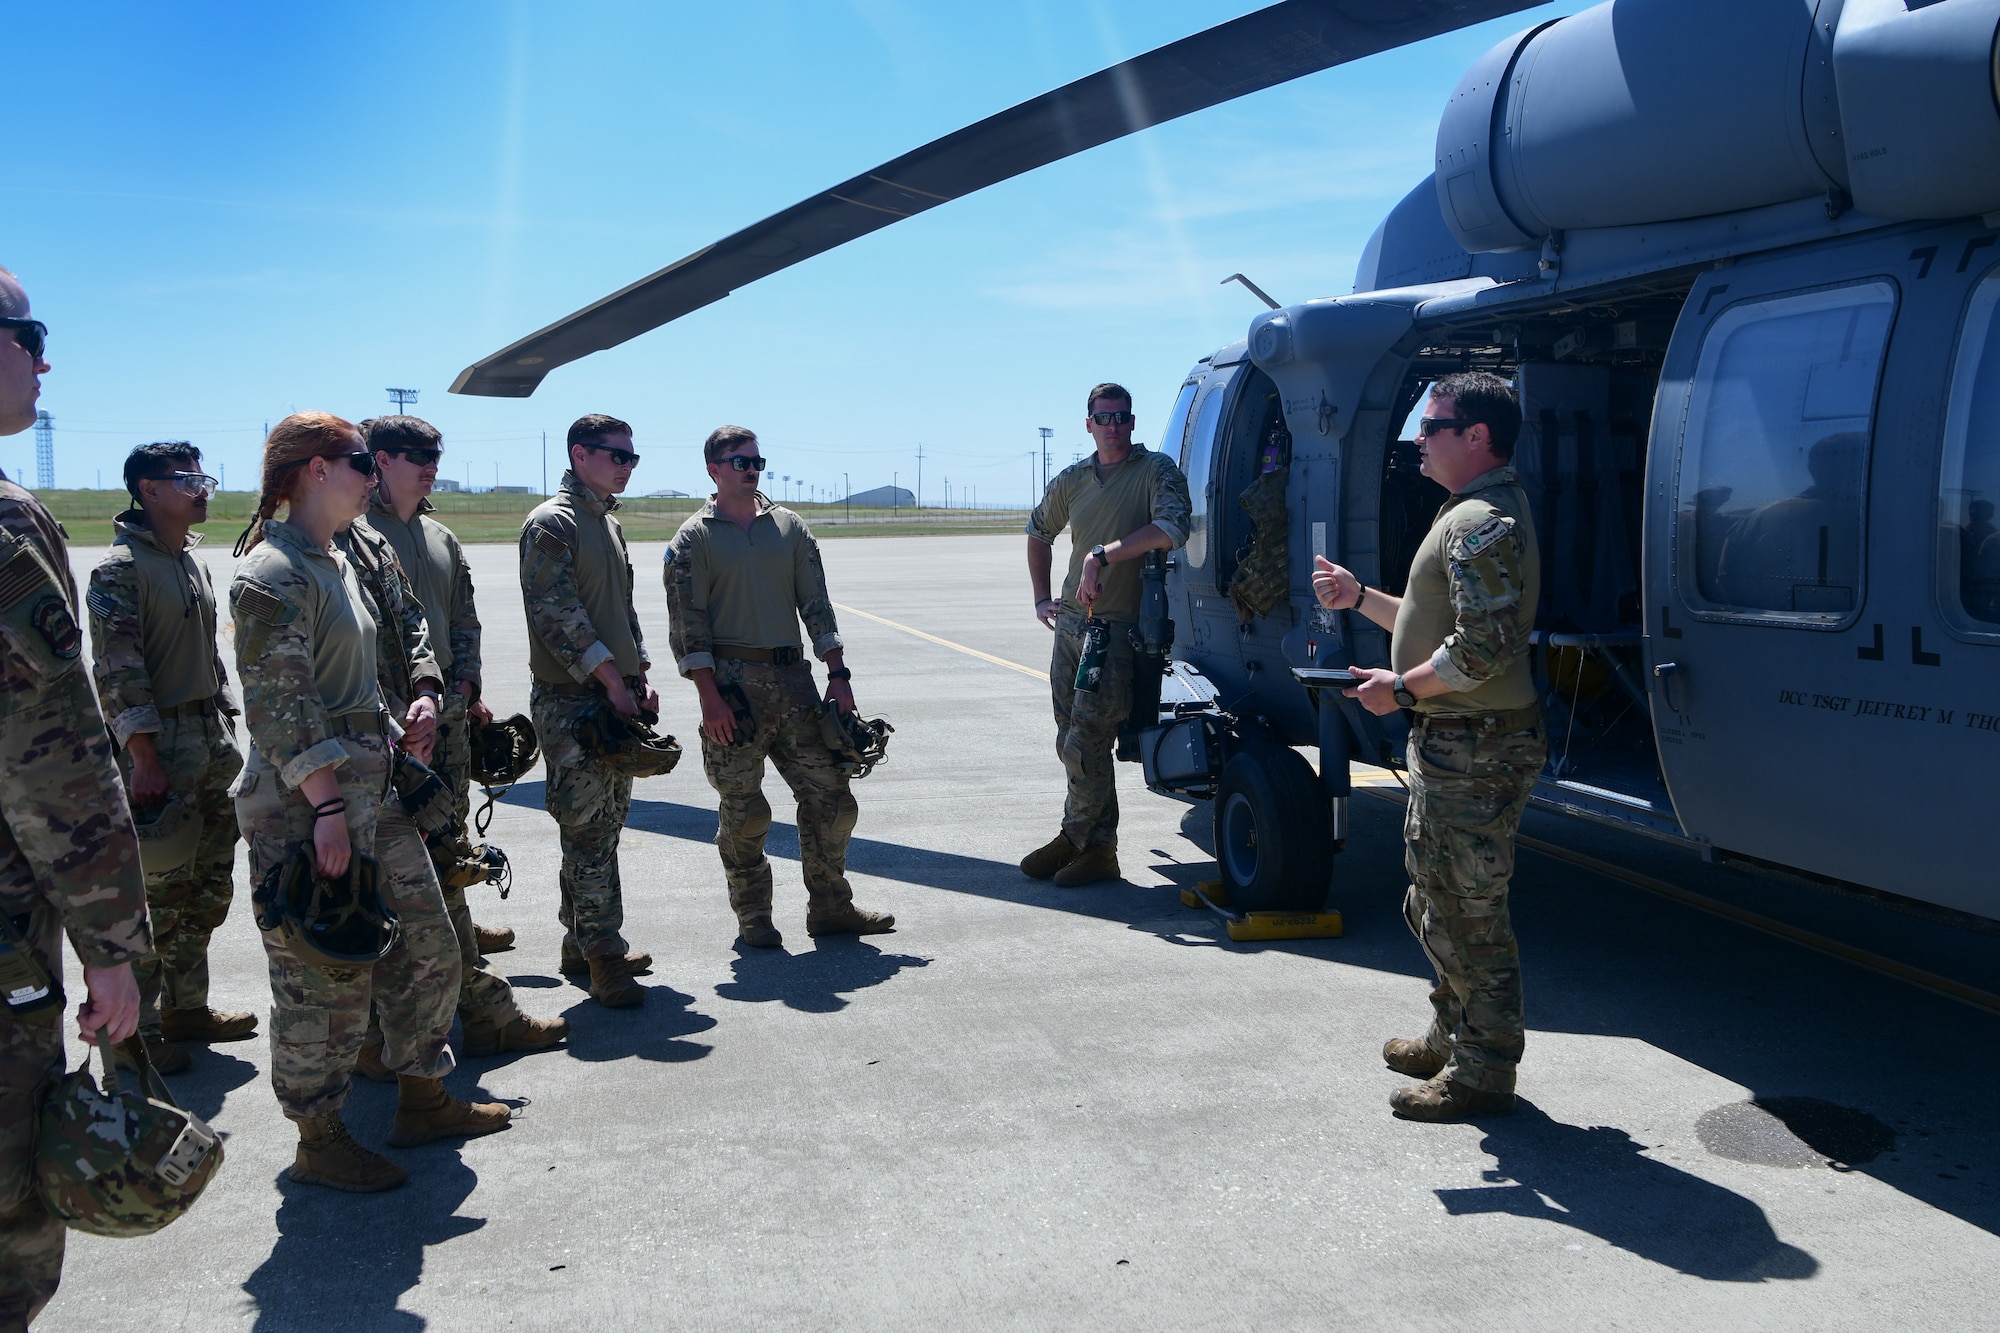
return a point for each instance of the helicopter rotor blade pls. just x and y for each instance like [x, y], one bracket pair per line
[1245, 55]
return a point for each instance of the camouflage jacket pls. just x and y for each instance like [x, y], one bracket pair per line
[305, 650]
[576, 586]
[1470, 605]
[68, 854]
[749, 589]
[435, 564]
[402, 634]
[152, 629]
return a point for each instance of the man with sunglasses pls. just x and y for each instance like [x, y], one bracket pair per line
[1118, 504]
[166, 696]
[1459, 666]
[741, 575]
[69, 860]
[586, 651]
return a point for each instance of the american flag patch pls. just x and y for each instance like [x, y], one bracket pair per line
[549, 543]
[252, 600]
[21, 575]
[100, 603]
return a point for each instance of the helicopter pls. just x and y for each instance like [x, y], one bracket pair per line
[1741, 261]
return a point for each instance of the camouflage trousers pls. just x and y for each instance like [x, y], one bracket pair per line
[589, 803]
[319, 1017]
[451, 757]
[31, 1237]
[785, 710]
[201, 760]
[1469, 784]
[1087, 725]
[484, 996]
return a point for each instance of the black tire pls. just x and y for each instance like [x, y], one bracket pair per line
[1272, 842]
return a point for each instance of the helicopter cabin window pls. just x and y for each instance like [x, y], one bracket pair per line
[1173, 440]
[1775, 459]
[1195, 462]
[1969, 544]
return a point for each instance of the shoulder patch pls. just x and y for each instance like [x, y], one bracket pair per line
[53, 621]
[101, 602]
[259, 603]
[549, 542]
[1482, 538]
[20, 575]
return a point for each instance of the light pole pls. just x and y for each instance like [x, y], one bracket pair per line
[847, 504]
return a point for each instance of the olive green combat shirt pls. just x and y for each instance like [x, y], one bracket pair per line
[436, 567]
[1470, 604]
[576, 582]
[745, 589]
[152, 629]
[305, 650]
[404, 654]
[1146, 488]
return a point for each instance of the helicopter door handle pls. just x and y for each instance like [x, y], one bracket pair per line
[1664, 672]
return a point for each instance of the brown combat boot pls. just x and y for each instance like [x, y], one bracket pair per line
[1440, 1100]
[574, 964]
[369, 1063]
[425, 1111]
[1092, 865]
[760, 934]
[611, 983]
[1045, 861]
[847, 919]
[165, 1057]
[206, 1024]
[1412, 1057]
[521, 1034]
[493, 939]
[329, 1156]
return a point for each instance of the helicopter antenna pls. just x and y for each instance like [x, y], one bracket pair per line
[1255, 290]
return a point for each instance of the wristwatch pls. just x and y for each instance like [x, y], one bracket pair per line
[1097, 554]
[1404, 699]
[840, 673]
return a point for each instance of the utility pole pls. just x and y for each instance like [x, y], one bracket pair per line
[545, 462]
[895, 496]
[847, 505]
[45, 452]
[1045, 433]
[402, 398]
[920, 476]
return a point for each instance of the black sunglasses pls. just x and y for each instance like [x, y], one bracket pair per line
[31, 334]
[421, 457]
[1432, 425]
[746, 463]
[1112, 418]
[361, 461]
[621, 457]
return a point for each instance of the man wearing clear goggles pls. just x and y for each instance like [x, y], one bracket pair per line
[166, 697]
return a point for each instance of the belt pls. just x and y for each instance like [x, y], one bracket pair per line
[1506, 719]
[588, 690]
[791, 656]
[369, 722]
[192, 708]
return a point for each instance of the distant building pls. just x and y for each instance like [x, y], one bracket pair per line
[666, 495]
[446, 484]
[514, 490]
[884, 497]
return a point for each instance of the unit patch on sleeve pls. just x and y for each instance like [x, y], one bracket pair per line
[53, 621]
[1481, 539]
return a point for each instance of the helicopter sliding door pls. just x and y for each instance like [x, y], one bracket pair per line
[1805, 695]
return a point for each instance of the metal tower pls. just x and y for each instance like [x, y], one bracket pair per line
[45, 452]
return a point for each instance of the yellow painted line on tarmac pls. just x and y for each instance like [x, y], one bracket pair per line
[943, 643]
[1784, 930]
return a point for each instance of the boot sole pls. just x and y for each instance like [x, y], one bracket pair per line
[1414, 1068]
[882, 929]
[633, 1003]
[398, 1138]
[214, 1038]
[305, 1177]
[475, 1048]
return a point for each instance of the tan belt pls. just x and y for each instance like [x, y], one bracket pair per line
[791, 656]
[367, 723]
[1505, 720]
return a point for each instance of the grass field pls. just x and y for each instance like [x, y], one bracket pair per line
[497, 518]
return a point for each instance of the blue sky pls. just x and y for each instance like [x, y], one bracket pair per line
[227, 212]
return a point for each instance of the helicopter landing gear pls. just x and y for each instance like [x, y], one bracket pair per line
[1273, 845]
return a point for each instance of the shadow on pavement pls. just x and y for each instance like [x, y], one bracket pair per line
[344, 1260]
[216, 1073]
[817, 980]
[656, 1030]
[1598, 1181]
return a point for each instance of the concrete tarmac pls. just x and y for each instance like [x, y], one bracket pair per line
[1032, 1107]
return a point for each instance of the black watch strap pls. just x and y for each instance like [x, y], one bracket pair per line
[840, 673]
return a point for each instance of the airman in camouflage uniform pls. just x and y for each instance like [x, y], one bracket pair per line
[167, 698]
[586, 652]
[741, 574]
[1459, 661]
[69, 861]
[407, 669]
[1120, 503]
[307, 652]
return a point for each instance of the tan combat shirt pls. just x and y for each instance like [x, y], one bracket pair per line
[1470, 605]
[1146, 488]
[305, 648]
[152, 629]
[750, 589]
[576, 583]
[435, 565]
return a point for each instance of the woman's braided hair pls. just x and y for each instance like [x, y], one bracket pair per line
[293, 442]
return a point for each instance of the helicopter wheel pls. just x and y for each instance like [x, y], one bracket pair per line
[1272, 842]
